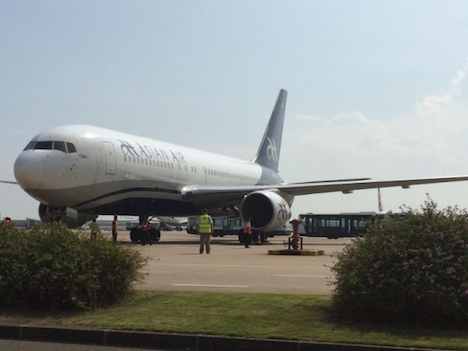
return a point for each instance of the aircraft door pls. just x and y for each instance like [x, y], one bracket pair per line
[110, 157]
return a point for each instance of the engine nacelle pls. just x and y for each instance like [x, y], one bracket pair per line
[268, 210]
[70, 217]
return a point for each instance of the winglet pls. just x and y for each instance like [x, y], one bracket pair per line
[269, 151]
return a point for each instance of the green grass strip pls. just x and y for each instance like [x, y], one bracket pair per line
[297, 317]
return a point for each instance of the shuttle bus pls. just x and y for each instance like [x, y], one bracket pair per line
[234, 226]
[333, 226]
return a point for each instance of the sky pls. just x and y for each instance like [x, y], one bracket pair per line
[375, 88]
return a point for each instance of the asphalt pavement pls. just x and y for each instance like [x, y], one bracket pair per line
[174, 263]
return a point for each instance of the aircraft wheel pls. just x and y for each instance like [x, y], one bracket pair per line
[155, 234]
[262, 237]
[135, 235]
[255, 235]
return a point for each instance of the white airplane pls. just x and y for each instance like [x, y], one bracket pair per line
[177, 221]
[78, 172]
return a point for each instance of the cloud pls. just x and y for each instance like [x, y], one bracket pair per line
[427, 138]
[430, 138]
[433, 107]
[458, 80]
[307, 118]
[343, 118]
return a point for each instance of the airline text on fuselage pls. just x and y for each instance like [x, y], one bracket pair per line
[149, 152]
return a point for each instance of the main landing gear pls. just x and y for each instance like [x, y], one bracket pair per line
[257, 237]
[144, 237]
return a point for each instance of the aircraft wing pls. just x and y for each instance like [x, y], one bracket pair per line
[8, 182]
[315, 187]
[350, 186]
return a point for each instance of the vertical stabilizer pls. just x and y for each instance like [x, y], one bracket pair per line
[269, 151]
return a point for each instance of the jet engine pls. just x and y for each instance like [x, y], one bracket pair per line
[268, 210]
[70, 217]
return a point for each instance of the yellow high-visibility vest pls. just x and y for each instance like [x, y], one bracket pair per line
[204, 224]
[94, 228]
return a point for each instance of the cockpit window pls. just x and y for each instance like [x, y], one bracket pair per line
[71, 148]
[60, 145]
[51, 145]
[30, 146]
[43, 145]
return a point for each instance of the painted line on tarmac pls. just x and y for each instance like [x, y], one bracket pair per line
[301, 276]
[213, 286]
[244, 286]
[228, 265]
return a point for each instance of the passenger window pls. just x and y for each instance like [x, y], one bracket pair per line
[60, 145]
[30, 146]
[71, 148]
[43, 145]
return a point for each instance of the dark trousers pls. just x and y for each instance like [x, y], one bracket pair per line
[205, 242]
[248, 239]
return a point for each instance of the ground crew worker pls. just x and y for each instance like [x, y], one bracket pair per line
[248, 232]
[145, 228]
[115, 229]
[205, 229]
[94, 230]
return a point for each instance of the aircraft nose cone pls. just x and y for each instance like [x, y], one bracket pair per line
[29, 170]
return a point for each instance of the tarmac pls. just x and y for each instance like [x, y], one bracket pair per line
[174, 263]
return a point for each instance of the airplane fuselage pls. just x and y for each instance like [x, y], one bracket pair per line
[99, 171]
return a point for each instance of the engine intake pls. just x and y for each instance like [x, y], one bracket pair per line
[268, 210]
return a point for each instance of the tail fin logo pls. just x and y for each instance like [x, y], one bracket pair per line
[272, 151]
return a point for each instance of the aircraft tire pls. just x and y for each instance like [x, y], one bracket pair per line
[155, 235]
[135, 235]
[241, 237]
[255, 235]
[262, 237]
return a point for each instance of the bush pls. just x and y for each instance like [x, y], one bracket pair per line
[52, 267]
[410, 269]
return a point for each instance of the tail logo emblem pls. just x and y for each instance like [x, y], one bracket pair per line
[272, 151]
